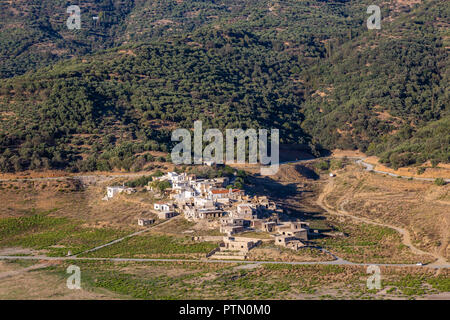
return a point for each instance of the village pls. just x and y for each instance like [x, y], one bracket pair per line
[217, 204]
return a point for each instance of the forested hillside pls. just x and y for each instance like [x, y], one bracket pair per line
[33, 33]
[104, 96]
[381, 92]
[134, 95]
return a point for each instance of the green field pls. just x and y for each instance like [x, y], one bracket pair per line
[155, 245]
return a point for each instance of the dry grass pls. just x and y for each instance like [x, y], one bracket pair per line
[73, 200]
[270, 252]
[440, 171]
[421, 207]
[41, 285]
[161, 280]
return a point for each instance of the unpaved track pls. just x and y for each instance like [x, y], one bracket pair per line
[45, 265]
[358, 160]
[406, 238]
[370, 167]
[81, 177]
[335, 262]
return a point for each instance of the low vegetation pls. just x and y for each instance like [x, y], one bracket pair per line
[55, 236]
[160, 280]
[439, 182]
[107, 97]
[359, 242]
[156, 245]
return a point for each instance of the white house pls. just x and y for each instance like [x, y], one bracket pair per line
[145, 222]
[202, 186]
[163, 206]
[112, 191]
[188, 193]
[180, 185]
[175, 177]
[172, 175]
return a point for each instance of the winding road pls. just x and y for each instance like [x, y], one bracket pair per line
[358, 160]
[370, 167]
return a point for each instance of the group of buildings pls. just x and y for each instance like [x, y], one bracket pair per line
[216, 203]
[231, 210]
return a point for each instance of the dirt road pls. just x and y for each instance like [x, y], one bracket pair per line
[406, 238]
[370, 167]
[123, 238]
[335, 262]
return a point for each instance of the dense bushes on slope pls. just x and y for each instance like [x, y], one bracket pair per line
[308, 68]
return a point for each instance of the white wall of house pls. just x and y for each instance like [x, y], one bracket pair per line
[162, 206]
[203, 203]
[112, 191]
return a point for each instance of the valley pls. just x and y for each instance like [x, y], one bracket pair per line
[114, 132]
[358, 233]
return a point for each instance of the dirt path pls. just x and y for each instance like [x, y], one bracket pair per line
[17, 272]
[123, 238]
[406, 237]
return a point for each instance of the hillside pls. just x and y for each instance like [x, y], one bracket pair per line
[34, 33]
[387, 92]
[107, 95]
[127, 100]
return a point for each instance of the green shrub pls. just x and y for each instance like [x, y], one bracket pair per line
[139, 182]
[336, 164]
[322, 165]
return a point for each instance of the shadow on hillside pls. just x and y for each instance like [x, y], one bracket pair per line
[307, 172]
[289, 196]
[265, 186]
